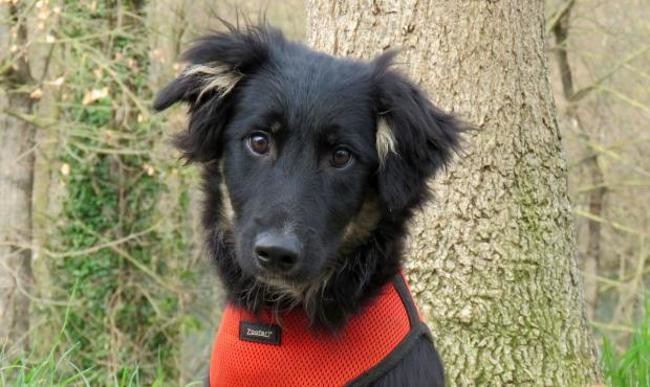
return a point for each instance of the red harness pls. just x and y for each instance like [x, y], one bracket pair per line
[250, 350]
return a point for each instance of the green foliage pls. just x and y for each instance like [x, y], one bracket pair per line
[632, 367]
[59, 367]
[125, 324]
[60, 371]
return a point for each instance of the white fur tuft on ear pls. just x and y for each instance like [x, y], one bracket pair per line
[215, 76]
[385, 140]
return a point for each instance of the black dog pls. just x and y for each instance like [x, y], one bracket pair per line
[312, 167]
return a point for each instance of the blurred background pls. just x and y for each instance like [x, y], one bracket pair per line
[117, 290]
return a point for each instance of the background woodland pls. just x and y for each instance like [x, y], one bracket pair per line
[106, 282]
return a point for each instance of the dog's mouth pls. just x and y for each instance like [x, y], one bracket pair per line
[280, 282]
[289, 289]
[280, 290]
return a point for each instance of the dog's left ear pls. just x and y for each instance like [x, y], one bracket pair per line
[414, 138]
[217, 65]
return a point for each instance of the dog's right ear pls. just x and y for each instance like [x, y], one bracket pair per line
[217, 64]
[414, 138]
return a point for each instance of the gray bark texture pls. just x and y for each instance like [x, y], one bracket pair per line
[16, 180]
[491, 259]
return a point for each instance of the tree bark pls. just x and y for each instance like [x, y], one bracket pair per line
[16, 180]
[492, 257]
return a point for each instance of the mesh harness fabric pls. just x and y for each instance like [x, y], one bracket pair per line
[257, 350]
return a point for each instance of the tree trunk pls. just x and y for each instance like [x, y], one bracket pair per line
[492, 258]
[16, 180]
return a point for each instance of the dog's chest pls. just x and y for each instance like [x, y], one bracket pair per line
[252, 350]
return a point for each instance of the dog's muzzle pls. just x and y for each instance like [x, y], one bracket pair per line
[277, 253]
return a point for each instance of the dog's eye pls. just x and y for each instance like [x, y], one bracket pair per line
[341, 157]
[259, 143]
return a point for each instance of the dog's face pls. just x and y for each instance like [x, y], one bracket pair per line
[306, 155]
[298, 160]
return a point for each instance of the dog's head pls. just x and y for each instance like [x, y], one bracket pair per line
[305, 154]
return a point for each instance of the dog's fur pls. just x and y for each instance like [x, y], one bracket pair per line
[349, 221]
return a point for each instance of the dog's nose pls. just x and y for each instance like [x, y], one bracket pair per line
[277, 252]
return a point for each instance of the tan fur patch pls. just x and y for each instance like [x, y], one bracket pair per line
[385, 140]
[226, 205]
[227, 211]
[215, 76]
[361, 225]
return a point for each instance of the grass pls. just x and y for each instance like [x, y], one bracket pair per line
[59, 369]
[630, 368]
[49, 372]
[62, 372]
[55, 369]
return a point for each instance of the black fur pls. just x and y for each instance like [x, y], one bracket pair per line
[320, 104]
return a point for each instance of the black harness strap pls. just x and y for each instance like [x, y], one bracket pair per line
[418, 328]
